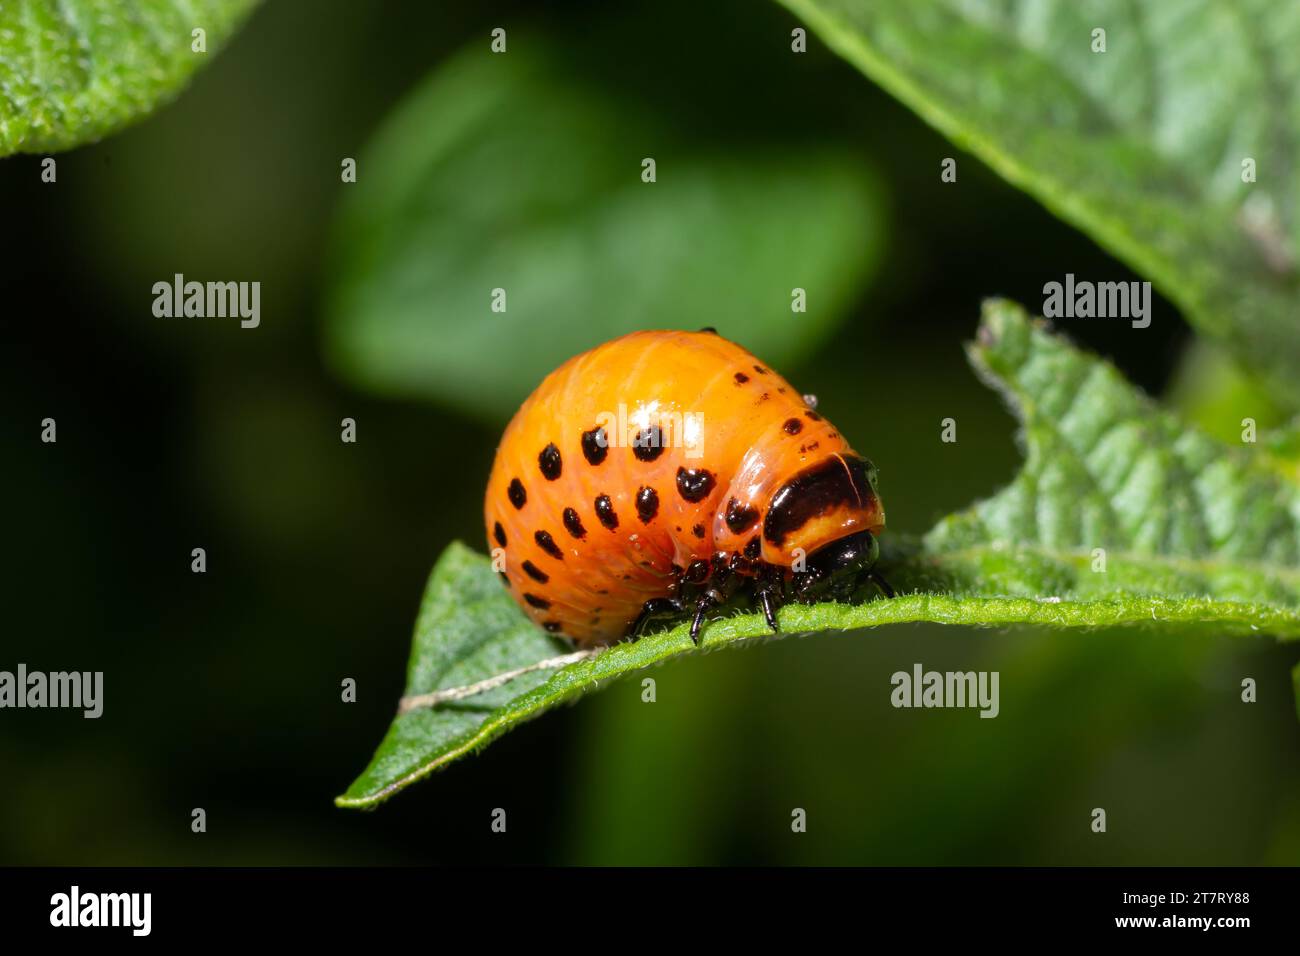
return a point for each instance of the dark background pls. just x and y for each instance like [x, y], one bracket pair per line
[222, 689]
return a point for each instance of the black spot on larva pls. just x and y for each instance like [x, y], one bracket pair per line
[547, 544]
[536, 573]
[812, 416]
[595, 446]
[697, 572]
[741, 378]
[538, 602]
[753, 547]
[762, 398]
[781, 390]
[504, 578]
[516, 493]
[499, 533]
[648, 444]
[739, 518]
[709, 328]
[552, 626]
[695, 484]
[792, 426]
[573, 524]
[760, 370]
[698, 531]
[605, 512]
[647, 504]
[548, 460]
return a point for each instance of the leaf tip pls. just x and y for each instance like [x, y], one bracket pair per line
[999, 319]
[345, 802]
[1004, 339]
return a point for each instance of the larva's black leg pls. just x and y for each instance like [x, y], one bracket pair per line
[880, 582]
[771, 593]
[710, 598]
[653, 608]
[765, 597]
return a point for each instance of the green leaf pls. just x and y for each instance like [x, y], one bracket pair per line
[1140, 146]
[1177, 513]
[523, 173]
[76, 70]
[1199, 537]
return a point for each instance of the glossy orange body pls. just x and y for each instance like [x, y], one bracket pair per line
[588, 537]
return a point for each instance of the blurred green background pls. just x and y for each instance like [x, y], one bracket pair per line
[223, 689]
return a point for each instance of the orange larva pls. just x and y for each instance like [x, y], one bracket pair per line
[660, 472]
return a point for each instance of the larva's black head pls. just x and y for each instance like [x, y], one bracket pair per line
[855, 551]
[838, 569]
